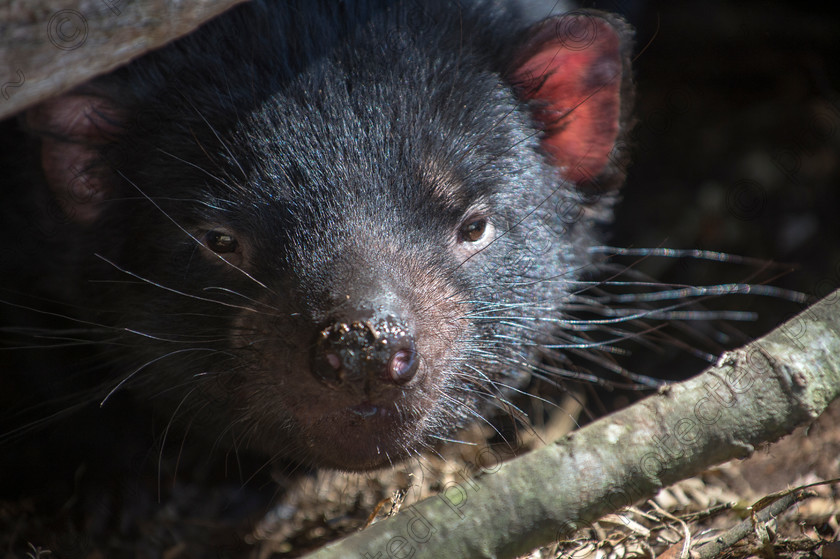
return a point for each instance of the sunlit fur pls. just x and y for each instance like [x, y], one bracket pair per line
[343, 146]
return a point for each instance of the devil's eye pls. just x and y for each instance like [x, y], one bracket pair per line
[220, 242]
[473, 230]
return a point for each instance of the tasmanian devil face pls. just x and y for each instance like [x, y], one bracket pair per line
[334, 251]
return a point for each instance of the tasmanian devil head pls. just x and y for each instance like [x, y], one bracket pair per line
[334, 232]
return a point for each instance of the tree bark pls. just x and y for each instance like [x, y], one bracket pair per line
[49, 46]
[753, 395]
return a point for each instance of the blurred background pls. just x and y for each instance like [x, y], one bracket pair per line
[736, 146]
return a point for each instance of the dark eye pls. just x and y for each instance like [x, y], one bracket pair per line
[221, 243]
[473, 231]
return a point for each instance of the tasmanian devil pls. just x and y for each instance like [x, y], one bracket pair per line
[331, 232]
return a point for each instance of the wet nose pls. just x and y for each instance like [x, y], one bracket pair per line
[367, 353]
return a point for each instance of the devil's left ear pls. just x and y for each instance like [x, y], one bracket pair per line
[73, 128]
[574, 71]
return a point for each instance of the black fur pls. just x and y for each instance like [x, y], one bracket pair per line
[343, 145]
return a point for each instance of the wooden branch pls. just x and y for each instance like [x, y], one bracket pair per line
[50, 46]
[754, 395]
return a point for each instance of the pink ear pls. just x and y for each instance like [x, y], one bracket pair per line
[72, 128]
[573, 70]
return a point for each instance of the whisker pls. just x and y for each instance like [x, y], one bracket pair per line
[170, 289]
[149, 363]
[190, 235]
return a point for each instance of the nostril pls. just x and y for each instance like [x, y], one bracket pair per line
[402, 366]
[333, 360]
[365, 354]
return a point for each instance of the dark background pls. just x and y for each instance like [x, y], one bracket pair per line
[736, 147]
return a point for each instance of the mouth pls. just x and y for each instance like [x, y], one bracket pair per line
[361, 437]
[366, 410]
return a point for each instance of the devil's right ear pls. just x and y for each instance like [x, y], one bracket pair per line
[574, 71]
[73, 129]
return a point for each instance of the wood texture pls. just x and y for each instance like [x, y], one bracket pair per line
[49, 46]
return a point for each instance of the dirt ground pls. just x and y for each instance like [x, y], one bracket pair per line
[736, 149]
